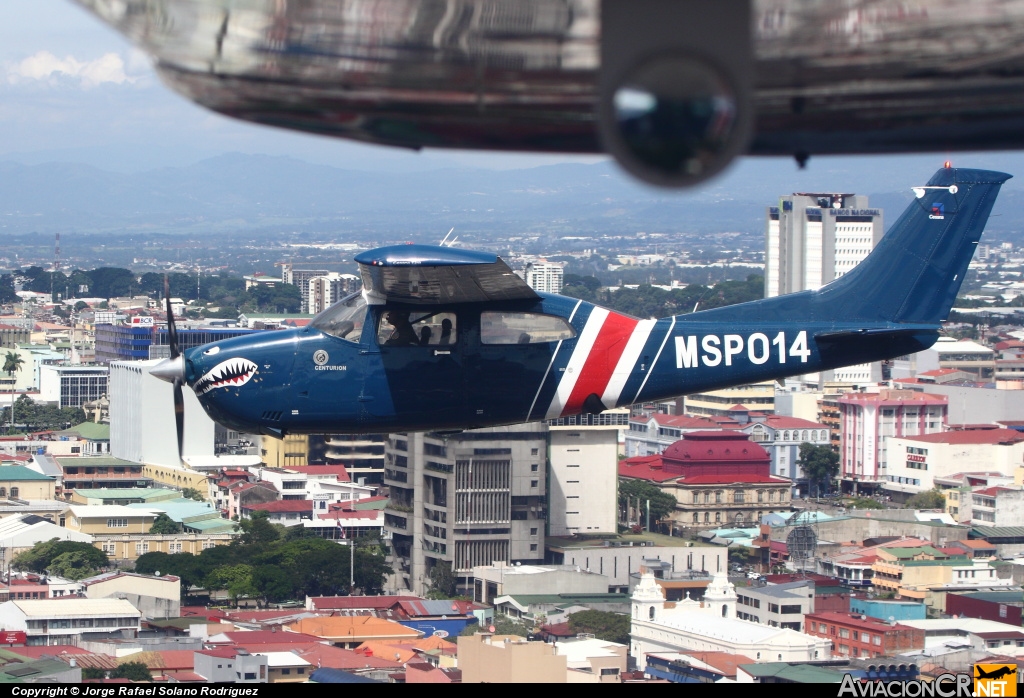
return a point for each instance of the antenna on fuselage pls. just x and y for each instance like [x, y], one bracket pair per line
[441, 244]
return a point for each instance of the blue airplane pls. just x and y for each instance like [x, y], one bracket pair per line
[445, 339]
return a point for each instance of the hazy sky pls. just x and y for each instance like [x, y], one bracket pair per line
[73, 90]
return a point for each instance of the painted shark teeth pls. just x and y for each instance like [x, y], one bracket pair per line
[227, 374]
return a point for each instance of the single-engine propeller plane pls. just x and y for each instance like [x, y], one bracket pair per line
[447, 339]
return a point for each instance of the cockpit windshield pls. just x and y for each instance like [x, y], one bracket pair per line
[344, 319]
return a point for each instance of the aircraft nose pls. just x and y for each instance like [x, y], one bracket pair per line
[170, 370]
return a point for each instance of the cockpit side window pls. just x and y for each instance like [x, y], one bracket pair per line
[500, 327]
[402, 328]
[344, 319]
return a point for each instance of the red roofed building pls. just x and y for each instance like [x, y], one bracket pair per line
[915, 462]
[355, 605]
[248, 493]
[866, 419]
[717, 478]
[287, 512]
[853, 635]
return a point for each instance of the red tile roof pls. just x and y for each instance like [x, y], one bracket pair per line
[244, 486]
[338, 658]
[249, 637]
[887, 397]
[338, 470]
[780, 422]
[645, 468]
[339, 603]
[993, 491]
[281, 506]
[855, 620]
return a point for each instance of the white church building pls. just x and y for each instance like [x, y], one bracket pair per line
[711, 626]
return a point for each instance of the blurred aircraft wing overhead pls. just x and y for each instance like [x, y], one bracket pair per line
[673, 91]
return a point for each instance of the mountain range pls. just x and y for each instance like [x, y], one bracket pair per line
[234, 192]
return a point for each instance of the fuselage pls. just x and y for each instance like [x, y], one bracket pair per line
[502, 363]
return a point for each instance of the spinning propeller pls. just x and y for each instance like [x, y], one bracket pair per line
[172, 370]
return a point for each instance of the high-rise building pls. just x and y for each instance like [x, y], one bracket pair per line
[544, 276]
[467, 500]
[812, 239]
[867, 419]
[582, 477]
[325, 291]
[72, 386]
[301, 278]
[140, 342]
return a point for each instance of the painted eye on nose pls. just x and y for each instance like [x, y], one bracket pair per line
[211, 351]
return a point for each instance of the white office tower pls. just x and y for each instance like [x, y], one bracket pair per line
[812, 239]
[544, 276]
[301, 278]
[464, 500]
[583, 473]
[325, 291]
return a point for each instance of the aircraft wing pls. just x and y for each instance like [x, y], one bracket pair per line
[826, 77]
[427, 275]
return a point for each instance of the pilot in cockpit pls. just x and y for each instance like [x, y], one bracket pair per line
[403, 335]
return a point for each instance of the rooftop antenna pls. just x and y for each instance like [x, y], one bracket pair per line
[56, 264]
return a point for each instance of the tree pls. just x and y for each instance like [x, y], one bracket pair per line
[73, 565]
[193, 493]
[820, 465]
[185, 566]
[7, 293]
[110, 282]
[39, 417]
[865, 503]
[443, 582]
[272, 584]
[234, 579]
[932, 499]
[165, 525]
[42, 554]
[91, 672]
[503, 625]
[12, 363]
[611, 627]
[662, 503]
[133, 671]
[257, 529]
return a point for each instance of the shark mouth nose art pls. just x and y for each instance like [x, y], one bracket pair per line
[227, 374]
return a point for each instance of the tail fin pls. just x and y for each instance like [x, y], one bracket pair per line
[914, 273]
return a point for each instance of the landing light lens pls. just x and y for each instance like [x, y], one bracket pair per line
[676, 118]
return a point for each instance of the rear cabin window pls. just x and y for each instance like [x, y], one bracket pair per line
[497, 327]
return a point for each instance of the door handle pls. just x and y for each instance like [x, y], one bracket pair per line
[442, 352]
